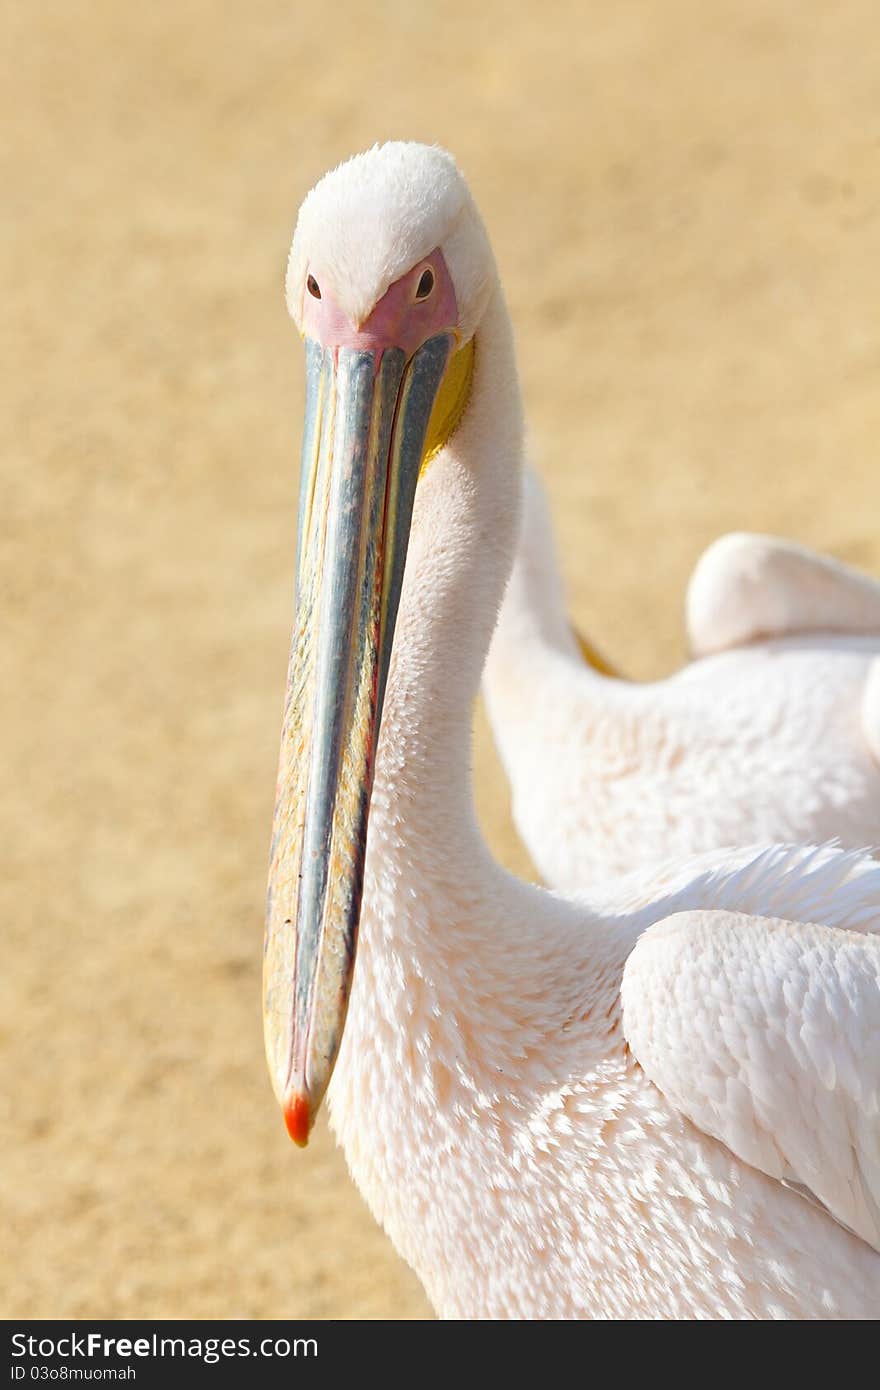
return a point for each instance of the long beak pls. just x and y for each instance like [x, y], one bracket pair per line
[366, 419]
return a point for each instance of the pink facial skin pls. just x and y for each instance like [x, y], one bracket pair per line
[399, 320]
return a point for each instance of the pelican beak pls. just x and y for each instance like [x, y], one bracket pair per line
[367, 414]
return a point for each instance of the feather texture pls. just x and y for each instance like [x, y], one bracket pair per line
[765, 1032]
[776, 739]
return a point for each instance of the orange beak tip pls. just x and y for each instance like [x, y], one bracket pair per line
[297, 1118]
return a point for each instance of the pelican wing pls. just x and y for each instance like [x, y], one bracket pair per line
[871, 709]
[766, 1035]
[746, 587]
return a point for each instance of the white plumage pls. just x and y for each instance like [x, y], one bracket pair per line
[772, 732]
[626, 1106]
[759, 1031]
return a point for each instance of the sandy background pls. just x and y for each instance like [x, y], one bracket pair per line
[685, 202]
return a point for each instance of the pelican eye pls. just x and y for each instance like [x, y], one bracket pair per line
[426, 284]
[313, 287]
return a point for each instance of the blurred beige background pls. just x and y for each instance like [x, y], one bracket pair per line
[685, 202]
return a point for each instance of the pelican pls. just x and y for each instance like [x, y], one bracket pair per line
[771, 733]
[659, 1101]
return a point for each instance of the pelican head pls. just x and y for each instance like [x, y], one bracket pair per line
[390, 272]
